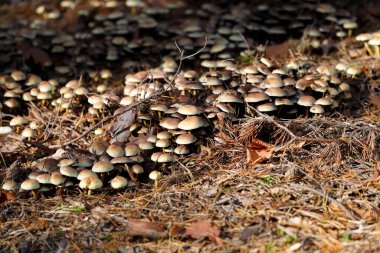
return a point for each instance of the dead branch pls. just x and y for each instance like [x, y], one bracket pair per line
[350, 213]
[134, 105]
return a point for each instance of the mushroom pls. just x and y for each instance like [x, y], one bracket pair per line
[102, 167]
[29, 133]
[118, 182]
[10, 185]
[30, 185]
[91, 183]
[375, 42]
[156, 176]
[114, 151]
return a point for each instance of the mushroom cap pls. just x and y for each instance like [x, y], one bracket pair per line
[324, 101]
[5, 130]
[68, 171]
[229, 98]
[189, 110]
[375, 41]
[114, 150]
[98, 147]
[57, 178]
[132, 149]
[137, 169]
[155, 175]
[317, 109]
[159, 107]
[10, 185]
[17, 121]
[276, 92]
[363, 37]
[182, 150]
[152, 138]
[84, 161]
[163, 143]
[165, 158]
[272, 82]
[121, 160]
[352, 70]
[283, 101]
[165, 135]
[191, 123]
[118, 182]
[170, 123]
[185, 139]
[43, 178]
[66, 162]
[256, 97]
[47, 164]
[349, 24]
[30, 185]
[146, 145]
[85, 174]
[91, 183]
[102, 166]
[29, 133]
[154, 157]
[267, 107]
[306, 100]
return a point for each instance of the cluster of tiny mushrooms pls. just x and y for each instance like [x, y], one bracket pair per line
[177, 106]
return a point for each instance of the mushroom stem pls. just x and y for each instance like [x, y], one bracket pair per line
[377, 51]
[89, 193]
[349, 33]
[368, 48]
[156, 184]
[34, 194]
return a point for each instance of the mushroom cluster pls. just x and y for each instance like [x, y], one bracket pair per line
[177, 103]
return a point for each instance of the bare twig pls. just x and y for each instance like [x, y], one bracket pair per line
[349, 212]
[130, 107]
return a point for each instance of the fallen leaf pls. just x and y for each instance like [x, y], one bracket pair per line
[10, 143]
[281, 51]
[36, 55]
[146, 229]
[204, 229]
[258, 151]
[374, 100]
[248, 232]
[6, 196]
[120, 128]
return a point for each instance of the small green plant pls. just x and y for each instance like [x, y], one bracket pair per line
[266, 179]
[247, 59]
[269, 247]
[346, 236]
[290, 239]
[59, 231]
[77, 209]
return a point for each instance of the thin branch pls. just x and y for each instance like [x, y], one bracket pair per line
[130, 107]
[350, 213]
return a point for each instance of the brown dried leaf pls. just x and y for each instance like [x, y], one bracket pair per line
[281, 51]
[375, 100]
[258, 151]
[120, 128]
[204, 229]
[6, 196]
[145, 229]
[37, 55]
[10, 143]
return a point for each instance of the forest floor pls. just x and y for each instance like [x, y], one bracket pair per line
[263, 184]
